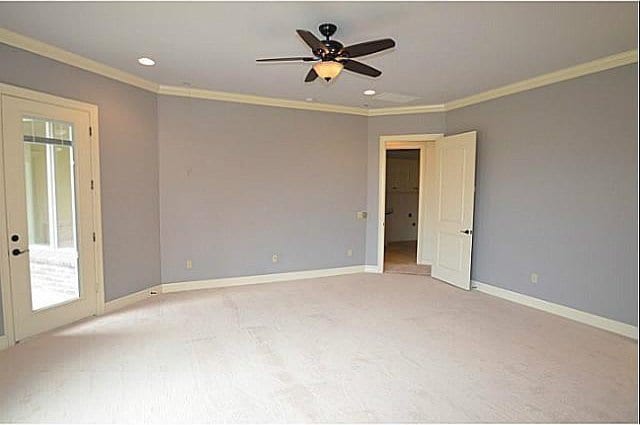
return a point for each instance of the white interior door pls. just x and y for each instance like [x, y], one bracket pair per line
[456, 169]
[49, 210]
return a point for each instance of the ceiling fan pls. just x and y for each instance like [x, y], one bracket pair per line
[331, 56]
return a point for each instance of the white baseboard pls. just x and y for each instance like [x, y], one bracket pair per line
[372, 269]
[611, 325]
[4, 342]
[224, 282]
[127, 300]
[256, 279]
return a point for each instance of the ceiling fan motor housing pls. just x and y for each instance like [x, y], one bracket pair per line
[334, 49]
[333, 46]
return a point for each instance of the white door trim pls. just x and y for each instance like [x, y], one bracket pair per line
[5, 280]
[405, 141]
[7, 305]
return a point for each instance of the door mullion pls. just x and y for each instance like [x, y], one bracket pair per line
[51, 186]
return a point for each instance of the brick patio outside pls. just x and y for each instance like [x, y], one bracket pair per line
[54, 275]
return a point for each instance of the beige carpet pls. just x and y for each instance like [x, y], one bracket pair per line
[400, 257]
[364, 347]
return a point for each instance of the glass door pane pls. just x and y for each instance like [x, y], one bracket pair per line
[51, 218]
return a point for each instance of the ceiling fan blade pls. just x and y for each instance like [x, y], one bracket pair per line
[311, 75]
[312, 41]
[360, 68]
[368, 47]
[303, 59]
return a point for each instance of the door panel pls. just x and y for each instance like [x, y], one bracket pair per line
[455, 165]
[47, 157]
[453, 170]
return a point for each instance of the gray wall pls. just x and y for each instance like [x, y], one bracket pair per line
[129, 163]
[241, 182]
[556, 192]
[388, 126]
[556, 184]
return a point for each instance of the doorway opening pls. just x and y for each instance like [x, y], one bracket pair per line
[402, 212]
[406, 195]
[446, 190]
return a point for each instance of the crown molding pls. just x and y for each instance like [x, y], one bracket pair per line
[43, 49]
[405, 110]
[258, 100]
[52, 52]
[598, 65]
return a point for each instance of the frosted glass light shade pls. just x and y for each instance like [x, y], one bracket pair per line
[328, 70]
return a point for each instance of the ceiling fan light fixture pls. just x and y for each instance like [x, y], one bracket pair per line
[328, 70]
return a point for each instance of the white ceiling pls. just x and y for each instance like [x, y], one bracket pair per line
[444, 51]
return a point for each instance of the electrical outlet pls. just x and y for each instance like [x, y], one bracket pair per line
[189, 265]
[361, 215]
[274, 258]
[349, 252]
[534, 277]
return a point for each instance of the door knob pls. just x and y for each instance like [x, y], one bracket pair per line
[467, 231]
[15, 238]
[17, 252]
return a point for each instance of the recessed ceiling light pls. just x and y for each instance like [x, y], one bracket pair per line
[146, 61]
[369, 92]
[309, 99]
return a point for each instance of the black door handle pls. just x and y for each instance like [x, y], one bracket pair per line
[467, 231]
[17, 252]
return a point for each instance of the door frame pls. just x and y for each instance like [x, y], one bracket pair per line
[5, 287]
[405, 141]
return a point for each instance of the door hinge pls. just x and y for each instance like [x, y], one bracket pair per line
[94, 236]
[90, 131]
[91, 184]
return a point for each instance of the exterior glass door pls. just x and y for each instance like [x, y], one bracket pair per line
[47, 170]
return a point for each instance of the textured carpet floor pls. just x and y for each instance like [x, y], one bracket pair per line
[364, 347]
